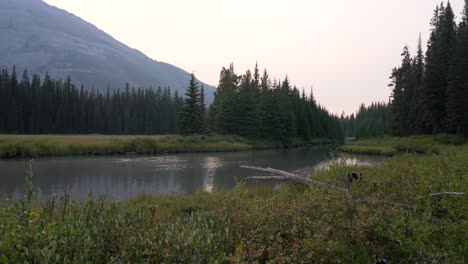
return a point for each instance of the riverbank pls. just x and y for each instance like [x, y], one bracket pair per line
[391, 146]
[387, 215]
[30, 146]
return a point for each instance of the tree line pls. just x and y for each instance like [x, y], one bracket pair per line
[430, 91]
[248, 105]
[370, 121]
[57, 106]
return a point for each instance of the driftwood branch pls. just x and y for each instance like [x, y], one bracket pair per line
[439, 194]
[294, 178]
[276, 178]
[271, 170]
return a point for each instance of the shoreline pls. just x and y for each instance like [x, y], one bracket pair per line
[45, 146]
[394, 146]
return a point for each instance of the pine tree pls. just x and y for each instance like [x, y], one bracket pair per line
[402, 94]
[457, 91]
[203, 121]
[189, 120]
[247, 109]
[440, 48]
[225, 109]
[287, 122]
[417, 120]
[13, 104]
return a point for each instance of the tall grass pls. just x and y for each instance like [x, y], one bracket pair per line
[291, 224]
[397, 145]
[27, 146]
[53, 145]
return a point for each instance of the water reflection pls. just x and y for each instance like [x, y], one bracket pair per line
[211, 165]
[125, 177]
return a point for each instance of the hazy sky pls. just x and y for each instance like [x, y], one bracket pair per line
[344, 49]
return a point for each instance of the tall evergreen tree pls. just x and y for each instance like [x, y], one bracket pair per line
[402, 94]
[416, 116]
[439, 51]
[190, 119]
[203, 113]
[457, 91]
[225, 109]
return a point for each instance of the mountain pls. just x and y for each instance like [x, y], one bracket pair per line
[43, 38]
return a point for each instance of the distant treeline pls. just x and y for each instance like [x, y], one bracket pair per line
[430, 92]
[254, 106]
[371, 121]
[56, 106]
[248, 105]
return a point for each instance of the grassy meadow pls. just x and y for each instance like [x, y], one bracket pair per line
[387, 214]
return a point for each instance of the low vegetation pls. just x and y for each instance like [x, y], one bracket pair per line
[390, 146]
[386, 215]
[27, 146]
[21, 146]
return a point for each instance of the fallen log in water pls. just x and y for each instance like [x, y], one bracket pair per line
[287, 176]
[276, 178]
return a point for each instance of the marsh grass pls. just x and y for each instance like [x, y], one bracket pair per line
[24, 146]
[31, 146]
[393, 145]
[291, 224]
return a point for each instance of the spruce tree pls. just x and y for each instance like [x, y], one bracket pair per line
[203, 119]
[439, 51]
[417, 121]
[189, 120]
[402, 94]
[225, 109]
[457, 91]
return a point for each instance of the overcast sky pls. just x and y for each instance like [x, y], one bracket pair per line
[344, 49]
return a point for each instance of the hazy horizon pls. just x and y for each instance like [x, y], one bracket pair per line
[311, 42]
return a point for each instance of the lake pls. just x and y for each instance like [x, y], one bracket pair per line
[124, 177]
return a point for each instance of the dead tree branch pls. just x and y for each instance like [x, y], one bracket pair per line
[286, 176]
[439, 194]
[276, 178]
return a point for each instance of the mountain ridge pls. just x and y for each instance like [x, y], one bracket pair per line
[44, 38]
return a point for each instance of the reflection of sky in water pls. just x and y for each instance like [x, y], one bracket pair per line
[127, 176]
[211, 164]
[160, 163]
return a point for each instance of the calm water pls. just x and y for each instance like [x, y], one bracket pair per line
[123, 177]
